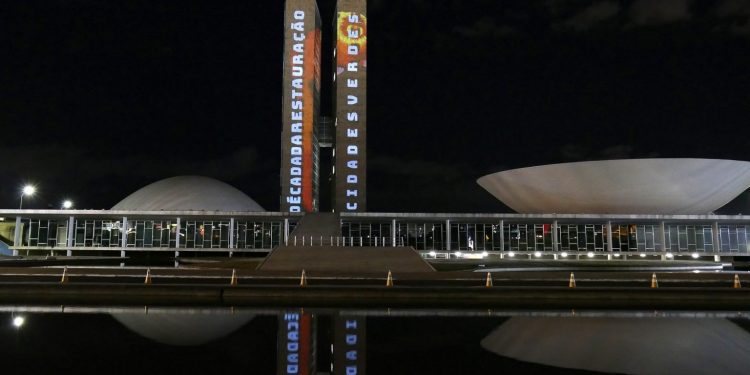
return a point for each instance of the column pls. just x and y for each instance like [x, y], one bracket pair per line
[124, 238]
[17, 235]
[393, 232]
[286, 231]
[70, 241]
[502, 236]
[554, 237]
[610, 249]
[231, 235]
[716, 237]
[448, 235]
[663, 236]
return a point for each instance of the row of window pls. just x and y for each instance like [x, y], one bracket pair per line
[420, 235]
[154, 234]
[539, 237]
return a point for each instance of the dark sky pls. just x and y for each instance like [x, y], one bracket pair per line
[99, 98]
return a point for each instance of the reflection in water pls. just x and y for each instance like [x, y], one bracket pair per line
[327, 341]
[184, 327]
[625, 345]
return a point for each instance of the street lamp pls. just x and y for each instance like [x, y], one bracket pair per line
[67, 204]
[27, 190]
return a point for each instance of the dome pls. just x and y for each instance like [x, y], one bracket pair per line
[629, 186]
[186, 193]
[625, 345]
[183, 328]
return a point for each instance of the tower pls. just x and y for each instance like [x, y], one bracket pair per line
[300, 166]
[300, 148]
[350, 91]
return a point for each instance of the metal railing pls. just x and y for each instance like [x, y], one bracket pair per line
[344, 241]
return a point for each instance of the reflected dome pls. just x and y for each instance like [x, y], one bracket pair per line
[183, 328]
[188, 193]
[649, 345]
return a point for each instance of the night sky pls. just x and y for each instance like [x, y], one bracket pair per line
[99, 98]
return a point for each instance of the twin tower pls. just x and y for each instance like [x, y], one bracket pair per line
[303, 132]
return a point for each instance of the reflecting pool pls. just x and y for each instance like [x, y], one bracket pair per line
[58, 339]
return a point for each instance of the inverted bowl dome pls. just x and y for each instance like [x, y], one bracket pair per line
[188, 193]
[629, 186]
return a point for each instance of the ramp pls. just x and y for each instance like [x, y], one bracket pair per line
[318, 224]
[349, 259]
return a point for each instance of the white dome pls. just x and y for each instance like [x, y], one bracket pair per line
[183, 328]
[185, 193]
[629, 186]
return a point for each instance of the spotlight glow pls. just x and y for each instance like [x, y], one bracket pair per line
[485, 254]
[696, 256]
[643, 255]
[511, 254]
[537, 254]
[67, 204]
[432, 254]
[458, 254]
[564, 254]
[29, 190]
[18, 321]
[590, 254]
[670, 255]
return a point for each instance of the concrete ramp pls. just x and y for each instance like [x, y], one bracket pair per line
[317, 224]
[345, 259]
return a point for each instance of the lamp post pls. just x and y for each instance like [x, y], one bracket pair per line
[27, 190]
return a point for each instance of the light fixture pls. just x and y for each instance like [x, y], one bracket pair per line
[26, 190]
[670, 255]
[67, 204]
[696, 256]
[617, 255]
[643, 255]
[18, 321]
[432, 254]
[485, 254]
[458, 254]
[590, 254]
[511, 254]
[564, 254]
[537, 254]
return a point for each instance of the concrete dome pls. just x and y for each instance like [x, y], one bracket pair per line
[188, 193]
[628, 186]
[625, 345]
[183, 328]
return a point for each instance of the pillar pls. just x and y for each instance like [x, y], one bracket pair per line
[17, 235]
[231, 235]
[70, 241]
[448, 235]
[124, 238]
[554, 237]
[393, 233]
[716, 237]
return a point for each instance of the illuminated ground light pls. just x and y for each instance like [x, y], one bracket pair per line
[458, 254]
[537, 254]
[18, 321]
[643, 255]
[590, 254]
[511, 254]
[617, 255]
[696, 256]
[670, 255]
[432, 254]
[564, 254]
[485, 254]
